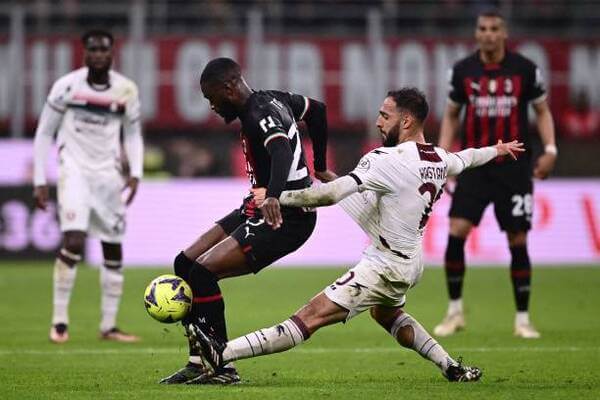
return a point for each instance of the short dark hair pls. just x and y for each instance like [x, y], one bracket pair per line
[412, 100]
[491, 12]
[220, 70]
[97, 32]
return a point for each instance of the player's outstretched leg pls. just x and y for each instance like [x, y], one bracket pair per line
[320, 311]
[278, 338]
[111, 286]
[409, 333]
[65, 272]
[520, 273]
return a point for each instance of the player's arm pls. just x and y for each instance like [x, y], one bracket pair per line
[535, 92]
[545, 125]
[50, 120]
[133, 143]
[369, 174]
[322, 195]
[450, 125]
[451, 118]
[314, 115]
[471, 157]
[315, 118]
[278, 146]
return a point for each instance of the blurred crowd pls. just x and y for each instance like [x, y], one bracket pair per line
[316, 16]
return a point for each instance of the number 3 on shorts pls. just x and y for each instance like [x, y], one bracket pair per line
[522, 205]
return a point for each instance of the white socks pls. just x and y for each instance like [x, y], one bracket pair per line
[111, 284]
[522, 318]
[455, 307]
[64, 279]
[275, 339]
[422, 343]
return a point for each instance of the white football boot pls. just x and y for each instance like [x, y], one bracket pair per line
[451, 324]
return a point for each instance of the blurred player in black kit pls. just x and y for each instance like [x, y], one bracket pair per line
[242, 242]
[496, 86]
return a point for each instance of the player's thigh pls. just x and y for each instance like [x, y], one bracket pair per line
[471, 196]
[225, 259]
[363, 287]
[320, 311]
[107, 219]
[222, 228]
[513, 202]
[74, 200]
[205, 242]
[262, 245]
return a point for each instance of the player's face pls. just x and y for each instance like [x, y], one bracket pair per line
[98, 53]
[490, 33]
[388, 122]
[219, 96]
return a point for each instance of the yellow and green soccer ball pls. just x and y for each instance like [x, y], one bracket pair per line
[168, 298]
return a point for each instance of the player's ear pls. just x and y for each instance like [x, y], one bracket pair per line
[406, 120]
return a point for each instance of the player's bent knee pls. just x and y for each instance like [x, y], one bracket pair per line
[517, 239]
[460, 227]
[385, 316]
[74, 243]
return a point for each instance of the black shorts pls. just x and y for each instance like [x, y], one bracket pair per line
[508, 185]
[260, 243]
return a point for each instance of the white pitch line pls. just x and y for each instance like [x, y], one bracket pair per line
[322, 350]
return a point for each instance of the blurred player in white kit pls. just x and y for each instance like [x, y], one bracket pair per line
[398, 185]
[88, 108]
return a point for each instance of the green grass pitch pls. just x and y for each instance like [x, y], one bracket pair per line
[357, 361]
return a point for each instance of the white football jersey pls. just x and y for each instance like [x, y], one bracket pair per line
[88, 135]
[398, 187]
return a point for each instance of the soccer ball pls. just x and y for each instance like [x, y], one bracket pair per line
[168, 298]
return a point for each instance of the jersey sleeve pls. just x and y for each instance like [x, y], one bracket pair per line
[299, 104]
[132, 104]
[57, 98]
[268, 125]
[535, 90]
[370, 173]
[456, 91]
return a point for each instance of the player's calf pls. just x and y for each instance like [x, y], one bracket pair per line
[409, 333]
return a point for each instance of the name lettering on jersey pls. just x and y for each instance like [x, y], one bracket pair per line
[493, 106]
[431, 173]
[493, 97]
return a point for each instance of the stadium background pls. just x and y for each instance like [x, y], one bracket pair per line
[346, 53]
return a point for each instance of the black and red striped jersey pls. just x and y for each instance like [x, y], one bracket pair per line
[496, 98]
[271, 114]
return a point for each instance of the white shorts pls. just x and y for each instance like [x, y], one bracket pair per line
[379, 279]
[92, 203]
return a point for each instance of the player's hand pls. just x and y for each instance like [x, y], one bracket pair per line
[510, 148]
[259, 195]
[41, 195]
[271, 212]
[544, 165]
[326, 176]
[131, 184]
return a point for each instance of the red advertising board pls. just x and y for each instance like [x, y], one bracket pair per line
[349, 74]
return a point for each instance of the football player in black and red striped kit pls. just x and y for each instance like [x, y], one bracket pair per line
[242, 242]
[496, 86]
